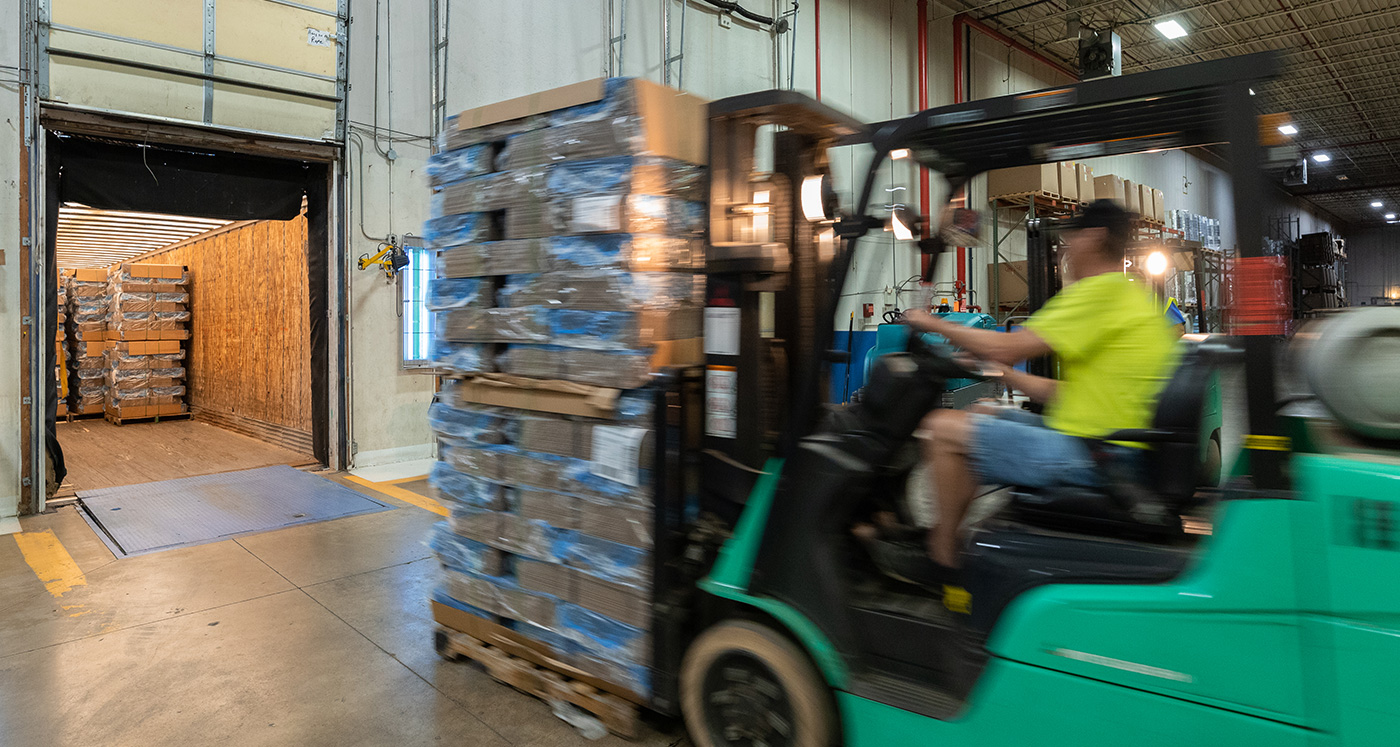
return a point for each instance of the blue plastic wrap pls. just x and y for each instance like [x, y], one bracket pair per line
[604, 289]
[441, 596]
[621, 564]
[450, 166]
[469, 556]
[473, 425]
[454, 293]
[449, 230]
[626, 251]
[624, 175]
[617, 101]
[464, 357]
[603, 636]
[464, 489]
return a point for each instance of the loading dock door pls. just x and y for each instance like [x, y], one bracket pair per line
[269, 66]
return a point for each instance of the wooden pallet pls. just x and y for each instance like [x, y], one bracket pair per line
[1043, 201]
[72, 416]
[618, 715]
[115, 420]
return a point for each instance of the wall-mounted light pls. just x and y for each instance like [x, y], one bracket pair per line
[899, 153]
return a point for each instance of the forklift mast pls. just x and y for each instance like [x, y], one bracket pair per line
[767, 261]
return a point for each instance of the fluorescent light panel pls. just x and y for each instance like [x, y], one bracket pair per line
[1288, 129]
[1170, 29]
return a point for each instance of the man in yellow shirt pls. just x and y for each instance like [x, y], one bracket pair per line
[1115, 350]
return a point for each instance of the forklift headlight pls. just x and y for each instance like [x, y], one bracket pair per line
[814, 198]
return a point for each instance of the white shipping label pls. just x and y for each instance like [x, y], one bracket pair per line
[319, 38]
[721, 331]
[602, 214]
[721, 403]
[616, 453]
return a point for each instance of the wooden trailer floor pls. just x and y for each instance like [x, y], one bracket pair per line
[99, 454]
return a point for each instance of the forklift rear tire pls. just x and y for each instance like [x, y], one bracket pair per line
[743, 683]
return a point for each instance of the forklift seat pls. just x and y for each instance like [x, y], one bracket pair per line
[1147, 505]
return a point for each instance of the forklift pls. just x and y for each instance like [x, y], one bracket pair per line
[1081, 624]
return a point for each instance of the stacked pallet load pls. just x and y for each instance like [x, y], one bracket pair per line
[60, 348]
[86, 330]
[568, 272]
[149, 318]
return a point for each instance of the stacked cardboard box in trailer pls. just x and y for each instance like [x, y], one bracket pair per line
[85, 328]
[568, 231]
[148, 320]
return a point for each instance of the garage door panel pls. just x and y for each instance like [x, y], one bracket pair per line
[61, 42]
[181, 22]
[273, 34]
[247, 64]
[243, 108]
[106, 86]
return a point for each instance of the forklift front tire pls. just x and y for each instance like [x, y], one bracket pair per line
[744, 683]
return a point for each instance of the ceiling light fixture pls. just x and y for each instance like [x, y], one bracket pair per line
[1321, 157]
[1288, 129]
[1377, 203]
[1251, 92]
[1170, 29]
[1390, 216]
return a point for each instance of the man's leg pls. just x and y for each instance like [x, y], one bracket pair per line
[946, 450]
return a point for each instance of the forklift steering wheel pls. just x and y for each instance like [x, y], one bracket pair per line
[894, 316]
[937, 358]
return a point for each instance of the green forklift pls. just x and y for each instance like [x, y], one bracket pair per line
[1082, 622]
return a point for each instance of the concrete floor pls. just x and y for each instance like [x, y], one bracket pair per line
[318, 634]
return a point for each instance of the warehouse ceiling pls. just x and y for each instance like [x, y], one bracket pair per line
[99, 238]
[1339, 84]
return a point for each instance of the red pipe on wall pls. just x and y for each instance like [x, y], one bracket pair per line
[817, 36]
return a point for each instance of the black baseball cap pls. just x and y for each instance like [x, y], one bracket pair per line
[1104, 214]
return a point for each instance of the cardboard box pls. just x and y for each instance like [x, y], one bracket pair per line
[153, 347]
[151, 270]
[1069, 182]
[1110, 187]
[127, 334]
[1042, 178]
[89, 349]
[482, 526]
[621, 603]
[1158, 206]
[553, 436]
[627, 525]
[90, 275]
[1130, 197]
[171, 334]
[1084, 175]
[674, 124]
[1013, 288]
[1144, 201]
[540, 395]
[546, 578]
[556, 509]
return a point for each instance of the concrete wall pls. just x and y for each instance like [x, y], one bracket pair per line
[388, 406]
[11, 142]
[1373, 264]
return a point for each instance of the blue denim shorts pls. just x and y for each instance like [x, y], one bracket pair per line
[1016, 447]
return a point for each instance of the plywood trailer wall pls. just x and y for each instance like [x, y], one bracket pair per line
[249, 353]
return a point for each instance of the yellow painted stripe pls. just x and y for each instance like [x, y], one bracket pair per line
[1267, 443]
[407, 496]
[403, 480]
[50, 561]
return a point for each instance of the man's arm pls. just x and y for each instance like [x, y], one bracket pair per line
[1040, 389]
[1008, 348]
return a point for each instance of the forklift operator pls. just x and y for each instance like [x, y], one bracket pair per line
[1114, 348]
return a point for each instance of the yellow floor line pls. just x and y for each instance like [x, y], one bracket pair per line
[407, 496]
[50, 561]
[403, 480]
